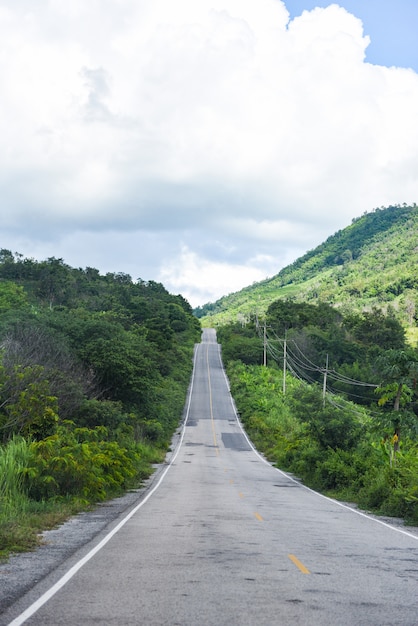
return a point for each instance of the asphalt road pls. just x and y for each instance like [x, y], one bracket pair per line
[223, 538]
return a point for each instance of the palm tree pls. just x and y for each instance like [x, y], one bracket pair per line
[399, 371]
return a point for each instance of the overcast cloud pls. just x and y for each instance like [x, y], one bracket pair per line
[203, 144]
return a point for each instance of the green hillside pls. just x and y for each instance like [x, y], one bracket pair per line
[370, 263]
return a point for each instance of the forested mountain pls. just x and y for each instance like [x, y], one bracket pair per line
[372, 262]
[94, 372]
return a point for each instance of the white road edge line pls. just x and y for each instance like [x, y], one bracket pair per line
[33, 608]
[320, 495]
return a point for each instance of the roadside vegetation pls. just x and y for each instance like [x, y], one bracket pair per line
[94, 372]
[345, 419]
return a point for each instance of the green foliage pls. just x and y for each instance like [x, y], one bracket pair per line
[316, 335]
[32, 342]
[12, 297]
[79, 462]
[399, 372]
[27, 406]
[14, 460]
[370, 263]
[106, 413]
[329, 426]
[240, 343]
[398, 366]
[393, 490]
[375, 328]
[285, 314]
[120, 360]
[358, 371]
[93, 338]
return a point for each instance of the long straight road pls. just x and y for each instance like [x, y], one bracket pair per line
[224, 538]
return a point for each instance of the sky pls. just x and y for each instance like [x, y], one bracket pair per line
[204, 145]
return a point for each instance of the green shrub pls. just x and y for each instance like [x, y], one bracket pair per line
[80, 462]
[337, 470]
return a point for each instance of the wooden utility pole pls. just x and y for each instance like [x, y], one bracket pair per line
[284, 363]
[325, 382]
[265, 346]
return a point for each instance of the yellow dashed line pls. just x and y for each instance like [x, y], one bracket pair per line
[298, 564]
[211, 405]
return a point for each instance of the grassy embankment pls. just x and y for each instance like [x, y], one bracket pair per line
[34, 474]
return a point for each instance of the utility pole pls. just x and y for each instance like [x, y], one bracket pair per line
[284, 363]
[265, 346]
[325, 382]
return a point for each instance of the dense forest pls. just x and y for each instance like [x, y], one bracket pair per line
[370, 263]
[332, 398]
[94, 373]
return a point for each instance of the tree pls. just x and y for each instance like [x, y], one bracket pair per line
[12, 297]
[286, 314]
[27, 406]
[30, 342]
[376, 328]
[56, 282]
[399, 371]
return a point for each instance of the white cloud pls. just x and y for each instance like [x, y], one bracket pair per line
[200, 280]
[220, 131]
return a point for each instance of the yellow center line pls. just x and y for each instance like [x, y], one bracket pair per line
[298, 564]
[215, 441]
[258, 516]
[241, 495]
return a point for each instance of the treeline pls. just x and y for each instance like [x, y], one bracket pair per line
[345, 419]
[94, 372]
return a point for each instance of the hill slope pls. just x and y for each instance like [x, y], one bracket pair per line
[371, 262]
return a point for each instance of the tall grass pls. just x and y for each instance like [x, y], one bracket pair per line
[14, 460]
[25, 468]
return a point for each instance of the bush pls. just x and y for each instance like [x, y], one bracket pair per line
[80, 462]
[95, 413]
[335, 427]
[337, 471]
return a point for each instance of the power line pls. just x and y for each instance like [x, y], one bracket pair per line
[301, 367]
[295, 360]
